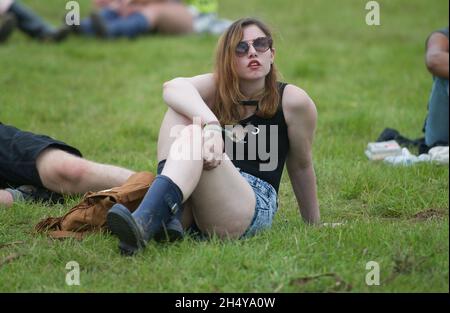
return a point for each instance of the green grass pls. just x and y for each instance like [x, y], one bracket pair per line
[105, 99]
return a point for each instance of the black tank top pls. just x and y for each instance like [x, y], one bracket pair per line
[262, 153]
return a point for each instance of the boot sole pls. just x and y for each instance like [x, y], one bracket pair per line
[122, 224]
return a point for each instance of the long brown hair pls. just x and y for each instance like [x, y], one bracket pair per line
[228, 93]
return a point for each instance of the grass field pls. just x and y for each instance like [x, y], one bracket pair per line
[105, 98]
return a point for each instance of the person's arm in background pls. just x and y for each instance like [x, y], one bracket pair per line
[437, 55]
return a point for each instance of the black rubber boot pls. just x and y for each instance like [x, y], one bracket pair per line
[162, 200]
[122, 224]
[7, 24]
[173, 231]
[29, 22]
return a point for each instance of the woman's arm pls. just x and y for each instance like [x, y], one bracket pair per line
[301, 115]
[189, 96]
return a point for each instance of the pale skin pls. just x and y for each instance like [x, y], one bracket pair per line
[68, 174]
[436, 58]
[165, 16]
[207, 184]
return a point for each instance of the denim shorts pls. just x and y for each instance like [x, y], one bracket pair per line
[266, 205]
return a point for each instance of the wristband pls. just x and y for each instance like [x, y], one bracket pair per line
[220, 129]
[212, 123]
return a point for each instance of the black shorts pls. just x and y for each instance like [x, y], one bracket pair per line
[19, 151]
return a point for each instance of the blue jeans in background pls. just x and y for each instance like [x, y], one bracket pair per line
[117, 26]
[29, 22]
[436, 124]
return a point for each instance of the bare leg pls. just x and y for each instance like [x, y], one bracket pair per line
[6, 199]
[65, 173]
[209, 191]
[169, 18]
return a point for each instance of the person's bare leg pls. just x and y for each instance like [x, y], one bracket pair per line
[65, 173]
[224, 201]
[169, 18]
[6, 199]
[208, 191]
[169, 125]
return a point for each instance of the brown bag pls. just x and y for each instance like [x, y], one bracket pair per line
[90, 214]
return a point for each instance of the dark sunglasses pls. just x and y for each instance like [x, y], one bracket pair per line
[261, 44]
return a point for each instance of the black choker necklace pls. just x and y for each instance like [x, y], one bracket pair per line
[249, 102]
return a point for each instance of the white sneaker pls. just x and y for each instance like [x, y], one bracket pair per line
[439, 154]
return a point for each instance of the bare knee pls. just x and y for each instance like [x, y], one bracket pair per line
[72, 171]
[185, 144]
[172, 126]
[61, 171]
[172, 117]
[6, 199]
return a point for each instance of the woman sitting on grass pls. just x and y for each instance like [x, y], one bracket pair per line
[231, 194]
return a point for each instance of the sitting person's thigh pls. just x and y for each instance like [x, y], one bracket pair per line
[223, 201]
[169, 18]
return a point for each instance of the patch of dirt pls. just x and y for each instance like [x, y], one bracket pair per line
[339, 283]
[7, 244]
[10, 258]
[430, 214]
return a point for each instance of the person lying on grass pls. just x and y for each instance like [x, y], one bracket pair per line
[241, 109]
[14, 14]
[132, 18]
[39, 168]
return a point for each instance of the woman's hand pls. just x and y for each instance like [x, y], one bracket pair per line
[212, 147]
